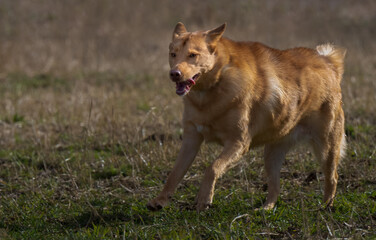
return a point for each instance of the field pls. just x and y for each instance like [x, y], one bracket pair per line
[90, 123]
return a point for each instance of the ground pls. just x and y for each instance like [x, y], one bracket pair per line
[78, 162]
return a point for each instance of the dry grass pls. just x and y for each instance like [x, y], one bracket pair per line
[131, 37]
[85, 102]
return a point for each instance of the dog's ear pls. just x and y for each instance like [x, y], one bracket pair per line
[179, 29]
[214, 35]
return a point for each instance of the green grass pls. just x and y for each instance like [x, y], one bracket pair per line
[86, 175]
[94, 213]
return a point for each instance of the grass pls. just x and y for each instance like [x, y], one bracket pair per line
[90, 126]
[88, 174]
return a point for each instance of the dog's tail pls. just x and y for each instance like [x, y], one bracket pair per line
[335, 54]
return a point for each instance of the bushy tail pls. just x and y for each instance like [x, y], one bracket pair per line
[336, 56]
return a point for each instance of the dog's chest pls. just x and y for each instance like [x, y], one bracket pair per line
[209, 133]
[204, 115]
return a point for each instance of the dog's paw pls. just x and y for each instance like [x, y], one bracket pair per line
[203, 206]
[266, 207]
[157, 204]
[269, 206]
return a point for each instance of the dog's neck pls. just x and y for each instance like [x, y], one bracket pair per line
[210, 79]
[209, 82]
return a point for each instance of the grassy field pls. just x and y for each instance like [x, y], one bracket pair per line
[90, 124]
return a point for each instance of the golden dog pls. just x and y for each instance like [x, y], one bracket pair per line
[245, 94]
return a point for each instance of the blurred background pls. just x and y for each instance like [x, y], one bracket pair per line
[130, 35]
[123, 44]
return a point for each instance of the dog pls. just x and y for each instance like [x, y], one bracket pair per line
[246, 94]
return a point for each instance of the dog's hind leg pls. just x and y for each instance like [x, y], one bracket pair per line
[274, 155]
[329, 148]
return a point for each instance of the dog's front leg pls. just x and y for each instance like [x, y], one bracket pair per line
[191, 144]
[231, 154]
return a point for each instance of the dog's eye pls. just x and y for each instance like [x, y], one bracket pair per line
[192, 55]
[173, 55]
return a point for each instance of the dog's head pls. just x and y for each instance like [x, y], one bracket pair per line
[192, 54]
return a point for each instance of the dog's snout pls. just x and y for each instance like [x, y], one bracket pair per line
[175, 75]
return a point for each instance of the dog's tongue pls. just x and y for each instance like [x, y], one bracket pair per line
[183, 88]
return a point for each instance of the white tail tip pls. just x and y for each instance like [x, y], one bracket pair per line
[325, 49]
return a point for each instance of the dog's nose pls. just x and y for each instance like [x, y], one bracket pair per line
[175, 75]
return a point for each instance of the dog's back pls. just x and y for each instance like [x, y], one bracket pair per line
[281, 88]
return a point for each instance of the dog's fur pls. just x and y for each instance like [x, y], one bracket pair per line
[246, 95]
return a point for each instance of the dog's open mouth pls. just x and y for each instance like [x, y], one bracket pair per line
[182, 88]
